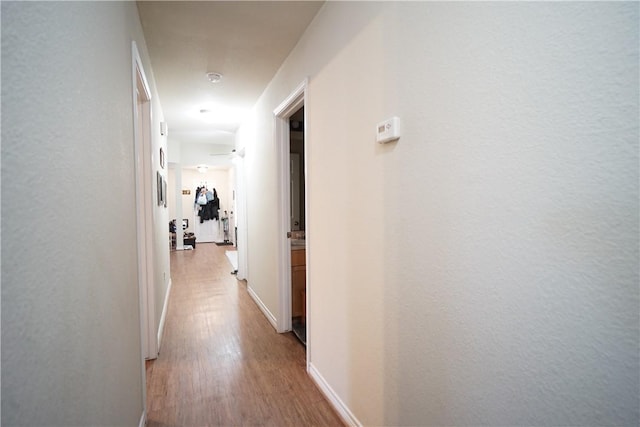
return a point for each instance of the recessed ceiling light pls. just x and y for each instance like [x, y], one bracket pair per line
[214, 77]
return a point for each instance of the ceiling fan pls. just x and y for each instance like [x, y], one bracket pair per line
[228, 154]
[233, 153]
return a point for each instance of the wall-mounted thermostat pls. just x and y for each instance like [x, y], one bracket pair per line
[388, 131]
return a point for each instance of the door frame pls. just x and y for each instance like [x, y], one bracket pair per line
[142, 120]
[296, 100]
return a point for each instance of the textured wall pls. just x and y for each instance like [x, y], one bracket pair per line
[346, 179]
[484, 269]
[162, 272]
[70, 312]
[512, 215]
[314, 50]
[260, 166]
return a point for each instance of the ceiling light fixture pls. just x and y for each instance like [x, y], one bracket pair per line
[220, 114]
[214, 77]
[202, 168]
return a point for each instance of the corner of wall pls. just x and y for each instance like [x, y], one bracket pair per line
[261, 305]
[341, 408]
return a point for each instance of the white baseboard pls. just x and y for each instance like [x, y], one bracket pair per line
[163, 316]
[143, 419]
[335, 401]
[270, 317]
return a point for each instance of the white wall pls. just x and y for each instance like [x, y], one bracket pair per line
[162, 273]
[484, 269]
[71, 352]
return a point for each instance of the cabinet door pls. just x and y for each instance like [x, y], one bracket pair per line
[298, 287]
[298, 258]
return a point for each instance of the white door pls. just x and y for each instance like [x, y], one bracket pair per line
[207, 231]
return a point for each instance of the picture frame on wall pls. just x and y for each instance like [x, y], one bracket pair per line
[159, 188]
[164, 192]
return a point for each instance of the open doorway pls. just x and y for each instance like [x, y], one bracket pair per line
[293, 240]
[144, 206]
[298, 224]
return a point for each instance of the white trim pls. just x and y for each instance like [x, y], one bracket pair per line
[138, 64]
[143, 419]
[307, 216]
[144, 205]
[281, 116]
[142, 220]
[270, 317]
[284, 225]
[293, 102]
[333, 398]
[164, 314]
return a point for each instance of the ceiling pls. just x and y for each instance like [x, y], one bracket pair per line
[245, 41]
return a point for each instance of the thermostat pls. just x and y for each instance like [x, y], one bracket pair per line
[388, 131]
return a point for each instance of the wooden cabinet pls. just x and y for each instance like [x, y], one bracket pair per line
[298, 283]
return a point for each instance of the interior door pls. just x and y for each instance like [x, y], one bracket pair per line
[298, 223]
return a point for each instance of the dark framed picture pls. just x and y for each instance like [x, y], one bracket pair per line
[164, 192]
[161, 158]
[159, 189]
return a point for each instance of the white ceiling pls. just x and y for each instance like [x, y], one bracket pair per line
[244, 41]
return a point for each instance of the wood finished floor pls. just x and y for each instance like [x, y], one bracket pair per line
[221, 363]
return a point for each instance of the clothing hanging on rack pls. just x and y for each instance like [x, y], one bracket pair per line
[207, 203]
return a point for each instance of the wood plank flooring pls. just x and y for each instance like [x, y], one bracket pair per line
[221, 363]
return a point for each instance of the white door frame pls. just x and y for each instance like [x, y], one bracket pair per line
[241, 215]
[144, 206]
[282, 113]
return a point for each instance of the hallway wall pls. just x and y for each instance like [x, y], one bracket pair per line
[71, 347]
[484, 269]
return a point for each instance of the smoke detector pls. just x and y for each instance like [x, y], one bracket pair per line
[214, 77]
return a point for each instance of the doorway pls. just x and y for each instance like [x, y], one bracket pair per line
[144, 206]
[293, 241]
[298, 226]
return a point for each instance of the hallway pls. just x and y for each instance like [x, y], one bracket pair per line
[221, 363]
